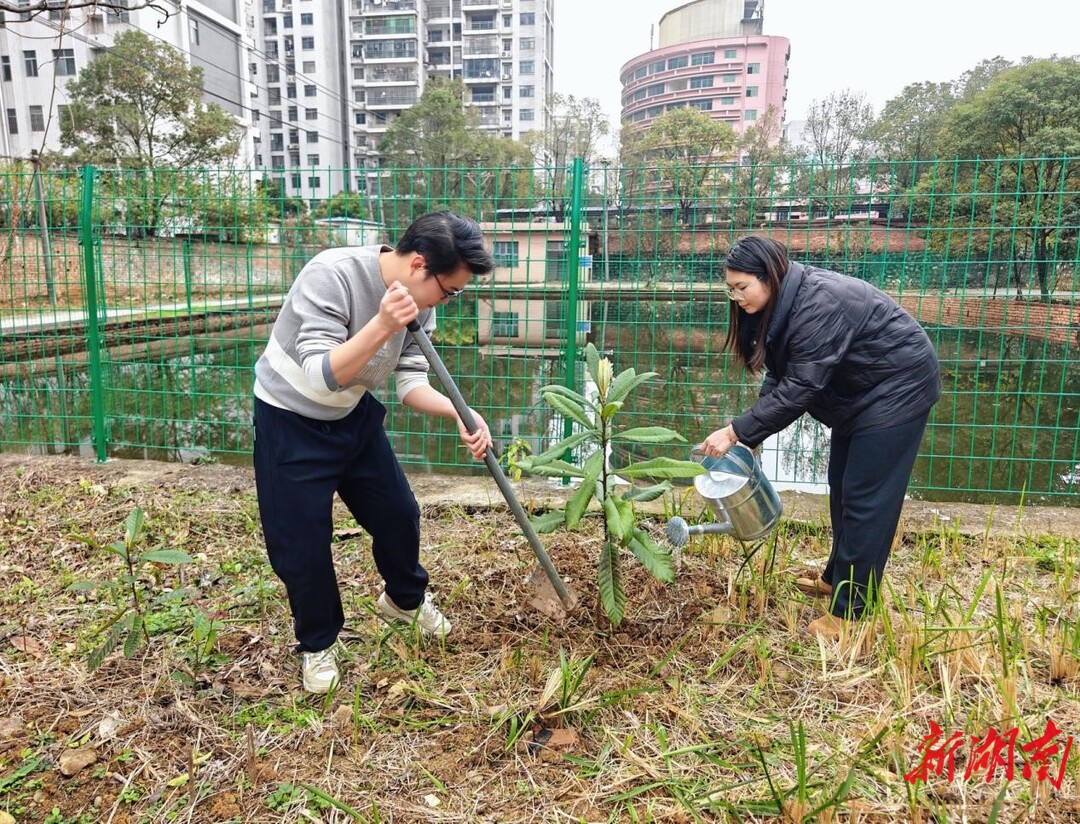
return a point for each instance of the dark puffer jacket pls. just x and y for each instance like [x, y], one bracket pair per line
[845, 352]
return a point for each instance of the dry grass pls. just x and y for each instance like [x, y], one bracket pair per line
[709, 703]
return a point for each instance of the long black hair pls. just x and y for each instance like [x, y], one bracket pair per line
[767, 261]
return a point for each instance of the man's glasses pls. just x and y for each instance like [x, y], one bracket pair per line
[448, 294]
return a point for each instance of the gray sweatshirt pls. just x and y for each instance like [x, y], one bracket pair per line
[334, 296]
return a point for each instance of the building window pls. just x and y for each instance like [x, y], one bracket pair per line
[701, 82]
[273, 74]
[527, 91]
[508, 92]
[753, 68]
[312, 160]
[65, 62]
[37, 119]
[727, 101]
[751, 91]
[295, 180]
[729, 54]
[312, 137]
[12, 121]
[750, 114]
[505, 253]
[527, 114]
[311, 114]
[528, 43]
[657, 67]
[194, 32]
[678, 62]
[5, 68]
[527, 67]
[702, 58]
[30, 61]
[309, 90]
[654, 111]
[505, 324]
[274, 96]
[654, 89]
[640, 72]
[727, 79]
[360, 118]
[307, 43]
[528, 18]
[702, 105]
[307, 19]
[314, 182]
[290, 91]
[309, 67]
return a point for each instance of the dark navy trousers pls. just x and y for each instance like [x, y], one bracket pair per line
[299, 464]
[868, 476]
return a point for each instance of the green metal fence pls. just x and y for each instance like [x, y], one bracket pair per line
[134, 303]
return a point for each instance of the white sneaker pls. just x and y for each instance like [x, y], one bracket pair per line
[426, 616]
[320, 671]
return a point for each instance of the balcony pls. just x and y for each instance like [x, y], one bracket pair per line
[438, 11]
[388, 6]
[391, 74]
[481, 46]
[486, 4]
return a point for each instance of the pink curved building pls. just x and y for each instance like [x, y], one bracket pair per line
[712, 55]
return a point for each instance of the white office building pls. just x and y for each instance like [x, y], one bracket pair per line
[333, 75]
[40, 56]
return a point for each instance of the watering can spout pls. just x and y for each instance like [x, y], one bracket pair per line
[678, 531]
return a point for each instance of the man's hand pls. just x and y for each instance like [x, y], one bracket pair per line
[397, 307]
[720, 442]
[479, 441]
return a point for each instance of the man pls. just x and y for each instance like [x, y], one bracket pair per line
[319, 430]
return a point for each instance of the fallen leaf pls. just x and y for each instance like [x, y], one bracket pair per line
[109, 725]
[343, 715]
[11, 728]
[432, 800]
[24, 643]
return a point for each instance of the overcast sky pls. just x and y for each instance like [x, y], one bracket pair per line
[864, 45]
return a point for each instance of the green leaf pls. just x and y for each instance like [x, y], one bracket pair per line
[135, 637]
[609, 410]
[653, 557]
[569, 394]
[592, 359]
[165, 556]
[548, 522]
[661, 468]
[112, 638]
[615, 520]
[650, 434]
[625, 382]
[555, 469]
[85, 586]
[610, 583]
[133, 526]
[579, 503]
[570, 409]
[117, 548]
[560, 448]
[646, 493]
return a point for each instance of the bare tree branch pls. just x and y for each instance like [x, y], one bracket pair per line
[33, 8]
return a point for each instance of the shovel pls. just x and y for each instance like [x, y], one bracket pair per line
[543, 589]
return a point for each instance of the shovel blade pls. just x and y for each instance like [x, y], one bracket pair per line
[541, 596]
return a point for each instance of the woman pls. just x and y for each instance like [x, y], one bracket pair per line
[845, 352]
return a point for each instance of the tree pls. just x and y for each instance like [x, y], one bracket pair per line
[764, 155]
[140, 105]
[683, 146]
[437, 157]
[1022, 132]
[573, 129]
[908, 130]
[837, 129]
[344, 204]
[32, 8]
[139, 108]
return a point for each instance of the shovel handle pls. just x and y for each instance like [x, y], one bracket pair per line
[492, 462]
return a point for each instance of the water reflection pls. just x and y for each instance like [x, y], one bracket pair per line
[1008, 421]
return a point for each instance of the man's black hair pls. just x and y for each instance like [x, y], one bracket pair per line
[447, 241]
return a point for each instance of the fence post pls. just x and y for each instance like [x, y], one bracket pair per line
[93, 333]
[573, 267]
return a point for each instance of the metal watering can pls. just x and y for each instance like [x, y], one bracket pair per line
[737, 490]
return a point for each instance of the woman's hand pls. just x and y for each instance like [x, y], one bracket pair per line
[480, 440]
[719, 442]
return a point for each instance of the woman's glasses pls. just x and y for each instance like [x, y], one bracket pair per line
[734, 292]
[448, 294]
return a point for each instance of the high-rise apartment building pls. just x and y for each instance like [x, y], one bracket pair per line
[712, 55]
[333, 75]
[41, 55]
